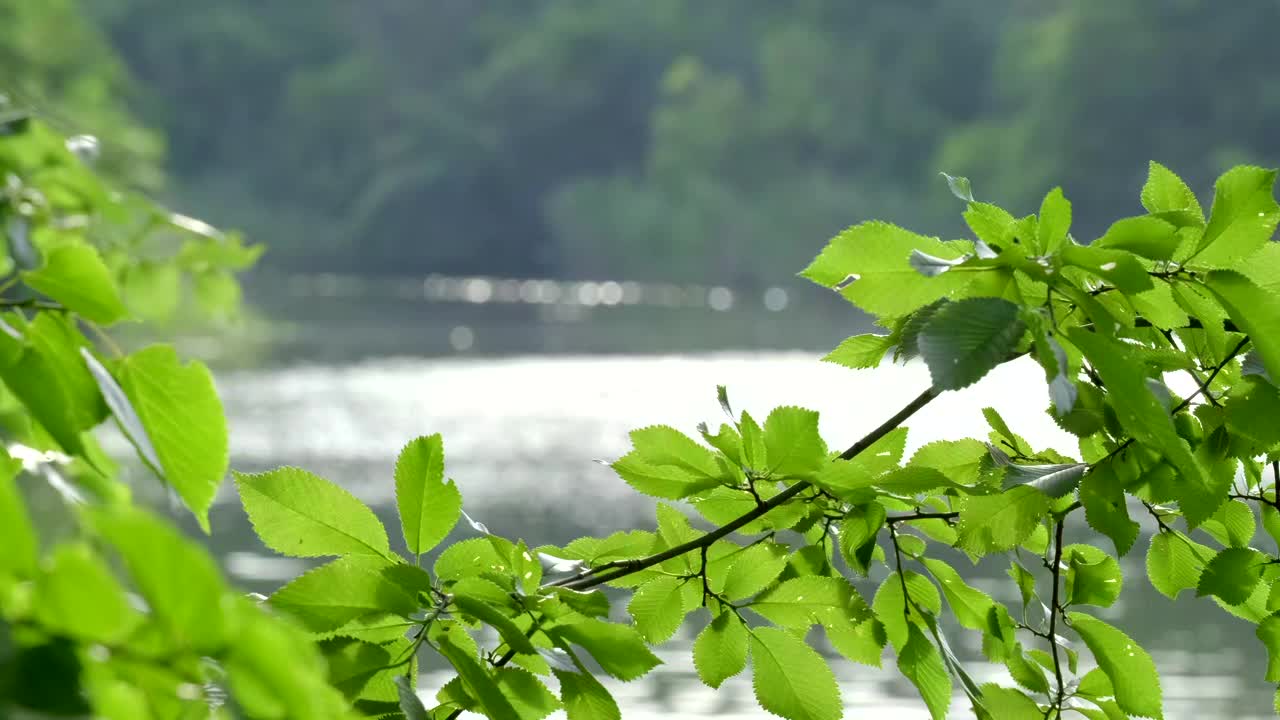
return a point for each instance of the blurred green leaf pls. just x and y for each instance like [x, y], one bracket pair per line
[75, 276]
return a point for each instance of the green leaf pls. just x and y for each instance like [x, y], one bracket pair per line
[177, 578]
[257, 668]
[217, 293]
[80, 597]
[1232, 575]
[40, 363]
[1254, 310]
[1144, 417]
[658, 608]
[1243, 218]
[1024, 671]
[1009, 704]
[878, 255]
[429, 507]
[17, 535]
[792, 442]
[666, 463]
[1175, 563]
[800, 602]
[472, 557]
[1055, 221]
[1165, 192]
[299, 514]
[1118, 267]
[996, 523]
[1269, 633]
[862, 642]
[720, 652]
[1238, 525]
[1252, 408]
[858, 533]
[477, 680]
[618, 648]
[1105, 509]
[967, 339]
[1132, 672]
[920, 662]
[342, 590]
[959, 460]
[526, 693]
[860, 351]
[889, 604]
[1093, 577]
[1148, 236]
[968, 604]
[485, 601]
[180, 409]
[791, 679]
[959, 186]
[755, 568]
[585, 698]
[152, 290]
[75, 276]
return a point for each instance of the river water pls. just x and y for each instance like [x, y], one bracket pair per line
[529, 403]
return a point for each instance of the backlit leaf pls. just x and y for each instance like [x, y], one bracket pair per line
[429, 507]
[75, 276]
[791, 439]
[658, 609]
[877, 256]
[920, 662]
[303, 515]
[720, 652]
[860, 351]
[182, 414]
[995, 523]
[1132, 672]
[618, 648]
[791, 679]
[1105, 509]
[966, 339]
[1232, 575]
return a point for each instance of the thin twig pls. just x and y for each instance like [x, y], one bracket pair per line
[948, 516]
[628, 567]
[902, 578]
[1053, 618]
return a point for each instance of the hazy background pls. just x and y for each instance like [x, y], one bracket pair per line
[534, 224]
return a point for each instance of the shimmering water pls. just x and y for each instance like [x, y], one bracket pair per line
[521, 435]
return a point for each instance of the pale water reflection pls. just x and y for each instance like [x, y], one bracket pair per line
[521, 436]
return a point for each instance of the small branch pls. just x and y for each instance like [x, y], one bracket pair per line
[948, 516]
[628, 567]
[32, 304]
[1053, 618]
[897, 556]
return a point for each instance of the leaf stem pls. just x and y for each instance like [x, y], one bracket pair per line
[627, 567]
[902, 578]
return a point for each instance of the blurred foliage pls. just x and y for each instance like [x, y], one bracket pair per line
[672, 139]
[55, 58]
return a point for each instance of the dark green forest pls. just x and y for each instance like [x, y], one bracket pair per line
[666, 139]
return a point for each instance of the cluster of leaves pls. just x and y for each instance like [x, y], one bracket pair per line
[794, 525]
[789, 528]
[106, 609]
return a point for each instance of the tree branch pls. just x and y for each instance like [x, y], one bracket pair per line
[628, 567]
